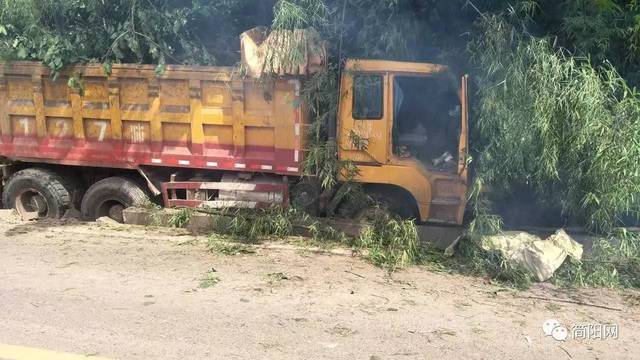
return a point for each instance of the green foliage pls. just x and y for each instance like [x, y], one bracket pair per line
[613, 262]
[556, 125]
[300, 14]
[390, 242]
[320, 93]
[321, 161]
[210, 279]
[180, 218]
[251, 226]
[76, 83]
[322, 233]
[483, 222]
[62, 32]
[272, 223]
[607, 31]
[473, 259]
[215, 244]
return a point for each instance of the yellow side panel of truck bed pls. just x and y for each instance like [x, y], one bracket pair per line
[200, 117]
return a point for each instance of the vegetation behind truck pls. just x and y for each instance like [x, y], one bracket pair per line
[206, 136]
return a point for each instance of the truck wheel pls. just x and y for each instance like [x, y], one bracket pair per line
[38, 193]
[305, 196]
[109, 197]
[385, 204]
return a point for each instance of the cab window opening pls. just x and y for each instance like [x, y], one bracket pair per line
[368, 97]
[427, 120]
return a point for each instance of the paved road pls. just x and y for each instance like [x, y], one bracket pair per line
[131, 293]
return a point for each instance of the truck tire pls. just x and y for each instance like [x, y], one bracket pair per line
[383, 200]
[383, 205]
[39, 193]
[109, 197]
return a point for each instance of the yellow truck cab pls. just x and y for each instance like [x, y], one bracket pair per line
[405, 127]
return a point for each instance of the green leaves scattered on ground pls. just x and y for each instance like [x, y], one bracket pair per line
[215, 244]
[253, 225]
[390, 242]
[210, 279]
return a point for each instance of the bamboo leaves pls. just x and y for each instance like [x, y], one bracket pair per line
[557, 125]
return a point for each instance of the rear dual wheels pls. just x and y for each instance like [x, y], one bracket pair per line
[38, 193]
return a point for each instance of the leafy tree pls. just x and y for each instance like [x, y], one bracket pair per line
[602, 30]
[62, 32]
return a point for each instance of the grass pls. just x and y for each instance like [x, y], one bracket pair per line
[392, 244]
[155, 212]
[614, 262]
[323, 234]
[150, 205]
[387, 242]
[180, 218]
[633, 300]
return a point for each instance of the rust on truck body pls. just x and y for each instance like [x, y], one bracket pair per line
[189, 116]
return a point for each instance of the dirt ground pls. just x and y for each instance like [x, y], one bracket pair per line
[134, 293]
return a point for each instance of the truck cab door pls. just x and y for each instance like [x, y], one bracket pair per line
[363, 129]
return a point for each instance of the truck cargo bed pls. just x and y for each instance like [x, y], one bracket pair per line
[195, 117]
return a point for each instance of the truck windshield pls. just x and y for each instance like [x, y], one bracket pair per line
[427, 120]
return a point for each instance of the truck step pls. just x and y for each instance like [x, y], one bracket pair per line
[446, 201]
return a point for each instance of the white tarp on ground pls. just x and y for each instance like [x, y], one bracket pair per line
[541, 257]
[282, 52]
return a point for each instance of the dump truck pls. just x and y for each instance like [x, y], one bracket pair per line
[195, 136]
